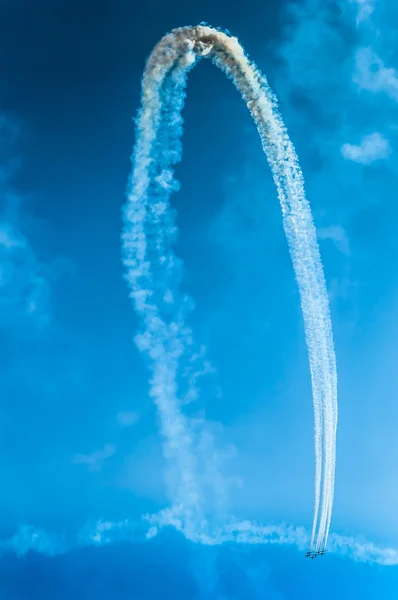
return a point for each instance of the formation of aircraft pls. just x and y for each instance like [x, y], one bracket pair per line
[312, 555]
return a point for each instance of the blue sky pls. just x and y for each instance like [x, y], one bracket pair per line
[80, 449]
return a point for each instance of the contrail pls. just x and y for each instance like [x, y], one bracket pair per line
[153, 271]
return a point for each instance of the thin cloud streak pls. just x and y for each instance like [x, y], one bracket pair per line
[95, 461]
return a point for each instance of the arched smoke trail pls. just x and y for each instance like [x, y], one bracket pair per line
[153, 271]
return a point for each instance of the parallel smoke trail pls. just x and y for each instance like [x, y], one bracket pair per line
[153, 271]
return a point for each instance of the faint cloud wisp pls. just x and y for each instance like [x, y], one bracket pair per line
[128, 418]
[372, 75]
[95, 461]
[371, 148]
[337, 234]
[365, 9]
[24, 288]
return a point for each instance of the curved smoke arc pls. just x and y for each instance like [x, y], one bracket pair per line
[153, 271]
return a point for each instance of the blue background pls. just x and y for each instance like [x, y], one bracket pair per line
[79, 437]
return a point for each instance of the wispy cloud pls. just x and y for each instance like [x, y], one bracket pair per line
[128, 418]
[363, 551]
[365, 9]
[24, 287]
[94, 533]
[104, 532]
[337, 234]
[371, 148]
[372, 75]
[95, 460]
[29, 538]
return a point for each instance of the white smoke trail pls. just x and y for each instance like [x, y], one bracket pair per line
[153, 270]
[163, 339]
[104, 533]
[303, 246]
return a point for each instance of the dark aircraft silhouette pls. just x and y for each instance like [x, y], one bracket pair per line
[312, 555]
